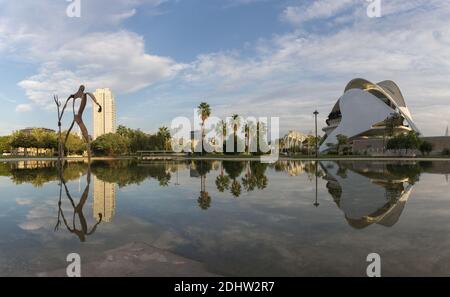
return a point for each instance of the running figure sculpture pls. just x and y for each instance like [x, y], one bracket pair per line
[78, 117]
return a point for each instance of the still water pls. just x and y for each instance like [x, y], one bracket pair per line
[229, 218]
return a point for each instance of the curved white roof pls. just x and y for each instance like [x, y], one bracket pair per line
[390, 90]
[364, 105]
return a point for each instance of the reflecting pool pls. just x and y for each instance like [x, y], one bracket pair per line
[291, 218]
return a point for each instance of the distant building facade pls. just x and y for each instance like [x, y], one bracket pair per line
[29, 131]
[294, 140]
[104, 122]
[104, 200]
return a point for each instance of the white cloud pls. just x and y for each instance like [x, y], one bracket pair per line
[90, 50]
[316, 9]
[23, 107]
[99, 60]
[292, 74]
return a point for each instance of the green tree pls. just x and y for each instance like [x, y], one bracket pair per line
[74, 144]
[249, 130]
[164, 137]
[204, 111]
[426, 148]
[235, 124]
[50, 141]
[5, 144]
[261, 129]
[413, 141]
[221, 129]
[342, 140]
[404, 141]
[22, 140]
[111, 144]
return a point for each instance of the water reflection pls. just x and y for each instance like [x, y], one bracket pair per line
[104, 205]
[366, 192]
[77, 210]
[373, 193]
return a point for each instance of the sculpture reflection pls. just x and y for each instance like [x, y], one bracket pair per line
[370, 192]
[77, 210]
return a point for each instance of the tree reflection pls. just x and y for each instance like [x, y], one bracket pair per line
[222, 181]
[38, 173]
[203, 168]
[255, 176]
[234, 170]
[129, 172]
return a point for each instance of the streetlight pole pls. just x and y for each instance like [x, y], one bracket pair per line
[316, 203]
[315, 116]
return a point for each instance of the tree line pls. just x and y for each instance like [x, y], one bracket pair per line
[41, 142]
[127, 141]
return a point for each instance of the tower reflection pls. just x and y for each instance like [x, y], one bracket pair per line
[104, 204]
[369, 193]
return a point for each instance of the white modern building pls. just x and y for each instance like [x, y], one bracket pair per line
[104, 122]
[294, 140]
[363, 109]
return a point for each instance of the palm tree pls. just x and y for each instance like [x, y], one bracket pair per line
[248, 129]
[164, 135]
[235, 123]
[221, 129]
[204, 111]
[261, 129]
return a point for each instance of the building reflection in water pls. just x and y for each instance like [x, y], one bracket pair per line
[366, 192]
[370, 193]
[104, 203]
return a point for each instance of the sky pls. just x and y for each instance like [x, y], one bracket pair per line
[260, 58]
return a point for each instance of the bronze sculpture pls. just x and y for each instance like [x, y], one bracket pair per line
[78, 208]
[78, 117]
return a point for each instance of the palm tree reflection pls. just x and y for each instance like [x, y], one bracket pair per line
[222, 181]
[203, 168]
[234, 170]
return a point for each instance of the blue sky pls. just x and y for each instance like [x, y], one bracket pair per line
[252, 57]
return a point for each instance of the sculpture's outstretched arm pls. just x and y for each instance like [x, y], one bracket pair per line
[95, 101]
[64, 108]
